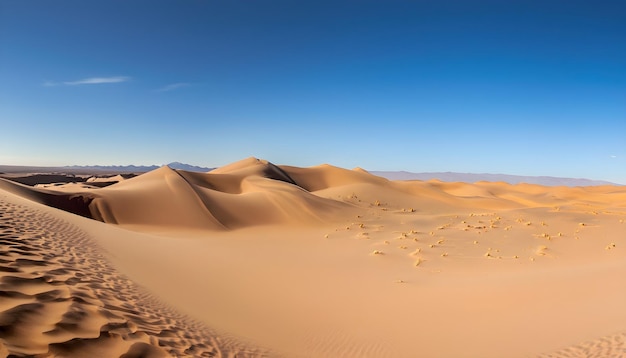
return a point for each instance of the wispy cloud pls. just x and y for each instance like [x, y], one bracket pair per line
[97, 80]
[88, 81]
[173, 86]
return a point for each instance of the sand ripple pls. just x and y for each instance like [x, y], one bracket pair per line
[611, 346]
[60, 297]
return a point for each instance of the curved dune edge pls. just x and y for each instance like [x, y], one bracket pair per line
[325, 261]
[255, 192]
[61, 297]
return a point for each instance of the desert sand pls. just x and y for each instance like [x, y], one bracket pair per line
[257, 259]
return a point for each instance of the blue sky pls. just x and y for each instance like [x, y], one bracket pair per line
[516, 87]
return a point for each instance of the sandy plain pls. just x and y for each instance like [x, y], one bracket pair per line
[255, 259]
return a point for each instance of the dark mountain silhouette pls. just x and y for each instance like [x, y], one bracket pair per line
[99, 169]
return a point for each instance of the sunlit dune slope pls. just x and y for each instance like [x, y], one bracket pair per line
[319, 261]
[255, 192]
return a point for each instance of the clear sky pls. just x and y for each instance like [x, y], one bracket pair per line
[515, 87]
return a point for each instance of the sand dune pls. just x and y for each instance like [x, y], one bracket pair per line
[312, 262]
[61, 297]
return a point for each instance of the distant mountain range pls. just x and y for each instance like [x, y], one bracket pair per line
[108, 169]
[188, 167]
[141, 168]
[472, 178]
[392, 175]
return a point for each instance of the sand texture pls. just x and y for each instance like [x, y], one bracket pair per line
[62, 298]
[257, 259]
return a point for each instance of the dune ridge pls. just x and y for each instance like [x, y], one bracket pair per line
[255, 192]
[326, 261]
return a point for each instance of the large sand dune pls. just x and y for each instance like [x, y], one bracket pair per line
[312, 262]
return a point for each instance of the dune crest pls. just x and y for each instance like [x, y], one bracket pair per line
[320, 261]
[248, 193]
[254, 192]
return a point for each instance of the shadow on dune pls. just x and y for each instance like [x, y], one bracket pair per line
[74, 203]
[34, 179]
[255, 192]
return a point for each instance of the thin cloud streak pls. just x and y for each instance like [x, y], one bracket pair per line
[88, 81]
[97, 80]
[173, 86]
